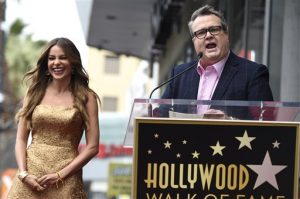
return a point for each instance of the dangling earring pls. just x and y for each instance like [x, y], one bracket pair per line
[47, 73]
[73, 71]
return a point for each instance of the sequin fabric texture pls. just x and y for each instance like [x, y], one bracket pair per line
[56, 133]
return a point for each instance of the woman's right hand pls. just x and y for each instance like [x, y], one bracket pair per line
[31, 181]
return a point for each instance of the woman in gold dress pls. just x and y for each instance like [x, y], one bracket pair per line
[58, 107]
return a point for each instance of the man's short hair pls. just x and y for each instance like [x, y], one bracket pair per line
[207, 10]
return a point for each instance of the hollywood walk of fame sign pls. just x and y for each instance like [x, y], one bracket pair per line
[212, 159]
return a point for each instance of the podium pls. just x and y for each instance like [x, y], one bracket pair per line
[233, 149]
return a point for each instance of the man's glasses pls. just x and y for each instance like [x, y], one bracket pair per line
[214, 30]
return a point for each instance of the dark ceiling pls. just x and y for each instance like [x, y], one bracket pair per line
[122, 26]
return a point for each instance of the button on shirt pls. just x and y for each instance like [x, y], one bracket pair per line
[209, 78]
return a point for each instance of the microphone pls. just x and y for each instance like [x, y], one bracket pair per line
[179, 74]
[199, 56]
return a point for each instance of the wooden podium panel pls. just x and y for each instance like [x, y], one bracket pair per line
[214, 159]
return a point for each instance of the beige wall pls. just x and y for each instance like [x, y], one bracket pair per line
[111, 85]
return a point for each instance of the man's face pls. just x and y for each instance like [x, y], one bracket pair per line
[215, 45]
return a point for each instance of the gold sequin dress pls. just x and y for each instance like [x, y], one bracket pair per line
[56, 133]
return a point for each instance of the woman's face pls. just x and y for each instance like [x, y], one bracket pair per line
[59, 65]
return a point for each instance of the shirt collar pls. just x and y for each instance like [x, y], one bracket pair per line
[219, 66]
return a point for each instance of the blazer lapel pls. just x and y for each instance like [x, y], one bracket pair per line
[227, 74]
[194, 84]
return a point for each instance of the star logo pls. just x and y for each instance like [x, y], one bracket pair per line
[195, 154]
[245, 140]
[266, 172]
[276, 144]
[217, 149]
[167, 144]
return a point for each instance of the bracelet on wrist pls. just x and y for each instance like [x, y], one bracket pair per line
[59, 179]
[22, 175]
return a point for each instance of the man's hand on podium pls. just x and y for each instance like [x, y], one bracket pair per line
[216, 114]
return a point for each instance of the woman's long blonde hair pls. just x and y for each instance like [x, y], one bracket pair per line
[40, 79]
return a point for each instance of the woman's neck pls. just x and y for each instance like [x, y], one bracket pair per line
[59, 87]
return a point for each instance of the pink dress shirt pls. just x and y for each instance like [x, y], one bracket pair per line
[209, 78]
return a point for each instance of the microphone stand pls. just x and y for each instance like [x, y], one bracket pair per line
[169, 80]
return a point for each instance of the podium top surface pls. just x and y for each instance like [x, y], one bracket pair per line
[211, 109]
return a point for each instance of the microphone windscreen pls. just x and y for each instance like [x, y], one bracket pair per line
[200, 54]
